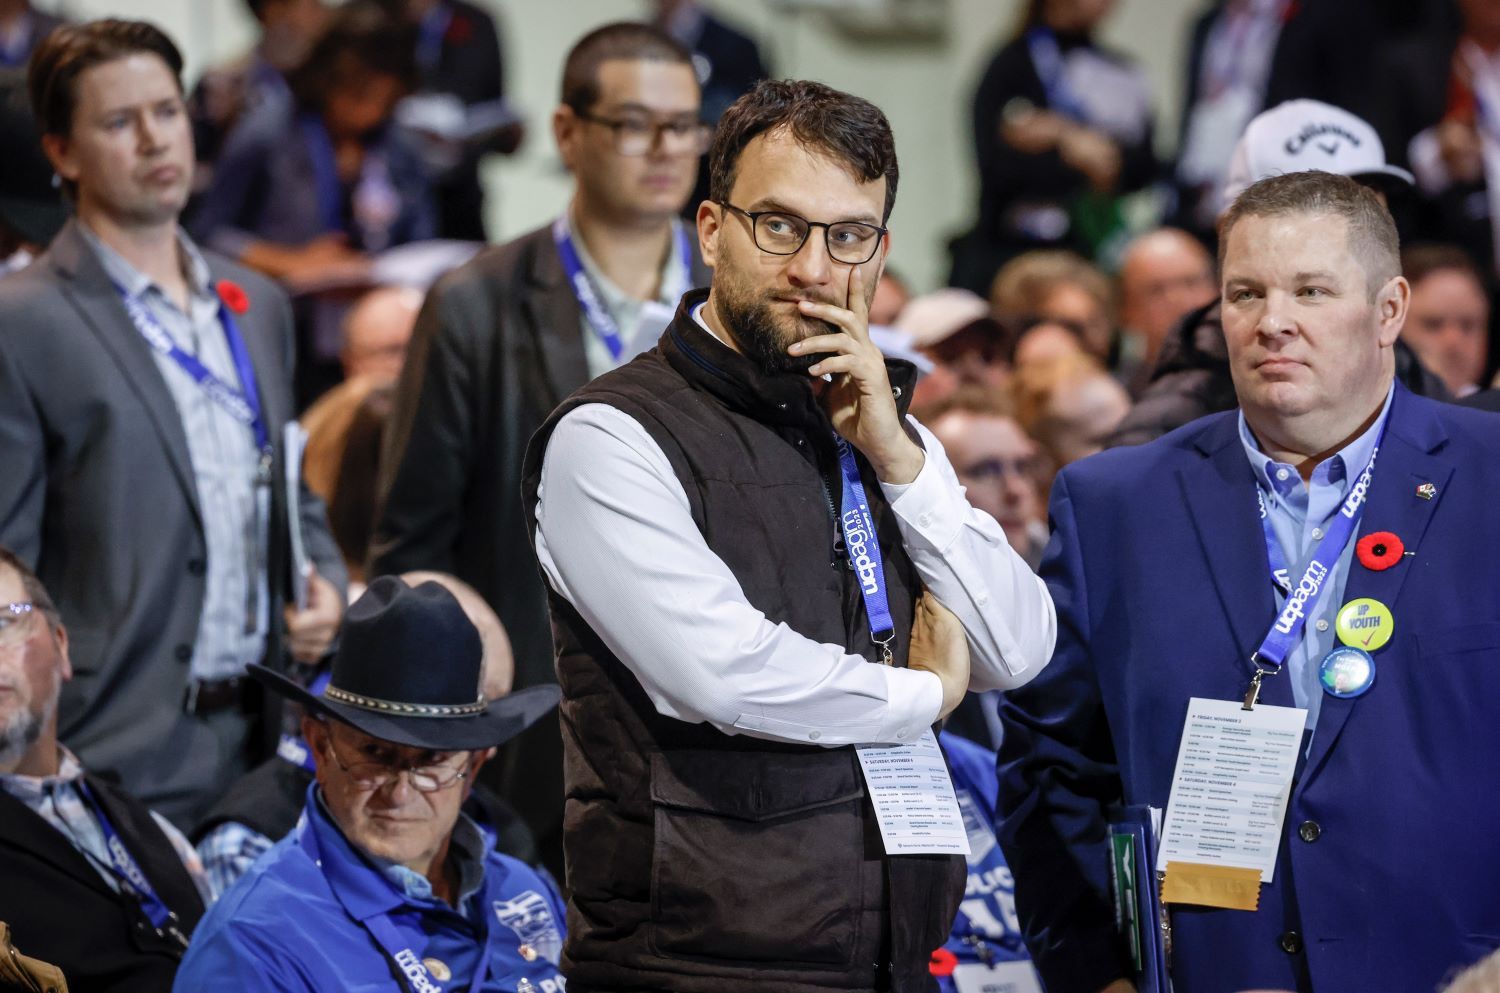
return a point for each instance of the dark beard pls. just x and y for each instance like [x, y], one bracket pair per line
[760, 338]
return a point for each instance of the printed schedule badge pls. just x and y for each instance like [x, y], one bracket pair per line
[1229, 796]
[913, 798]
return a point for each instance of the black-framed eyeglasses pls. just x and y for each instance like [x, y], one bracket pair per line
[778, 232]
[373, 775]
[16, 620]
[639, 135]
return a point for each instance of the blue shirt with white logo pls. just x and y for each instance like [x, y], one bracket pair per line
[296, 924]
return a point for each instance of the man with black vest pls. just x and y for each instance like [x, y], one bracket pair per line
[94, 882]
[736, 527]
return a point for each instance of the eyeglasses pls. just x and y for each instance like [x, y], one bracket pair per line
[373, 775]
[777, 232]
[637, 136]
[16, 622]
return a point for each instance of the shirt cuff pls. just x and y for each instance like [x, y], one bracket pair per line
[928, 506]
[915, 703]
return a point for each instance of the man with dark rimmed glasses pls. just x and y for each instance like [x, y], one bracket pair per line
[504, 339]
[757, 564]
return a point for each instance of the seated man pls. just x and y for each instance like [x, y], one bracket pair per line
[94, 882]
[383, 874]
[262, 807]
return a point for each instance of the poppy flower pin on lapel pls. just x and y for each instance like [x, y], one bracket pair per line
[233, 295]
[1379, 550]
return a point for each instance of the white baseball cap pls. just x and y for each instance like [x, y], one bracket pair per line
[1304, 136]
[936, 316]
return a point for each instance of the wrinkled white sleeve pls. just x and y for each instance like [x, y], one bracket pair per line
[616, 538]
[963, 558]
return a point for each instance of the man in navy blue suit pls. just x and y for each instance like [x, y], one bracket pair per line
[1161, 566]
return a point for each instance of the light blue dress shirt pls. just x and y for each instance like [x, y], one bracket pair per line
[1299, 514]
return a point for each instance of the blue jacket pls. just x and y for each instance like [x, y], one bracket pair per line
[986, 928]
[1389, 871]
[295, 924]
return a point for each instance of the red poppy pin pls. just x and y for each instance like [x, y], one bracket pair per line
[234, 296]
[460, 30]
[1379, 551]
[943, 963]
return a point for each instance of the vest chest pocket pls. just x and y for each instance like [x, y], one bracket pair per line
[757, 857]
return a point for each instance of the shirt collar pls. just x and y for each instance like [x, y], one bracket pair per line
[671, 283]
[368, 886]
[23, 788]
[135, 282]
[1281, 478]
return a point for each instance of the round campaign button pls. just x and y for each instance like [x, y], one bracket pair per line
[1346, 672]
[1365, 624]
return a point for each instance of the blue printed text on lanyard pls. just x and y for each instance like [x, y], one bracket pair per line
[128, 871]
[243, 404]
[863, 545]
[1302, 598]
[594, 311]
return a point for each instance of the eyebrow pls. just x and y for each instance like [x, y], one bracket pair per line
[1318, 275]
[771, 203]
[640, 108]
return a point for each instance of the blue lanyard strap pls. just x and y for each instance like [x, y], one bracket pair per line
[430, 33]
[325, 171]
[863, 545]
[1047, 58]
[129, 873]
[1302, 599]
[243, 402]
[399, 950]
[594, 311]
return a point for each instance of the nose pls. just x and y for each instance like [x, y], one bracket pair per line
[811, 265]
[1275, 317]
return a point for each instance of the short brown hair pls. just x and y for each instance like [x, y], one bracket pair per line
[1023, 284]
[71, 49]
[850, 130]
[971, 399]
[361, 38]
[623, 40]
[35, 591]
[1371, 234]
[1423, 260]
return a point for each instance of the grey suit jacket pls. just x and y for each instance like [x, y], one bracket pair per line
[97, 494]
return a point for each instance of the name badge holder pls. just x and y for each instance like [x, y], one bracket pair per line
[594, 311]
[132, 879]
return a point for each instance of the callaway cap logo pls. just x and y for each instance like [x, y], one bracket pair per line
[1330, 134]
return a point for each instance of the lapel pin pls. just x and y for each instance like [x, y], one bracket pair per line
[1426, 491]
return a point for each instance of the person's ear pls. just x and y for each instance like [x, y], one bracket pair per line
[710, 224]
[59, 151]
[566, 126]
[1391, 304]
[60, 633]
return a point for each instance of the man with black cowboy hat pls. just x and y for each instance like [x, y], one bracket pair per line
[382, 858]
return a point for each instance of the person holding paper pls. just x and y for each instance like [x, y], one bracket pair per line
[1284, 621]
[144, 386]
[737, 528]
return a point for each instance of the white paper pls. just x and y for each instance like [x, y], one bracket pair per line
[1230, 788]
[913, 797]
[293, 445]
[1002, 977]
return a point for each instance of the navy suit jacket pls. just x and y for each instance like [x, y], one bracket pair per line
[1158, 568]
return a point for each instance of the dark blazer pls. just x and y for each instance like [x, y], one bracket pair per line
[497, 346]
[62, 911]
[1388, 866]
[98, 495]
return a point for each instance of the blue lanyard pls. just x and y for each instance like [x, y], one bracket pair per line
[1046, 56]
[430, 34]
[291, 747]
[325, 172]
[243, 403]
[863, 546]
[128, 871]
[594, 311]
[1303, 598]
[398, 948]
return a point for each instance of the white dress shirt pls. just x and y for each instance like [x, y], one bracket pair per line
[616, 539]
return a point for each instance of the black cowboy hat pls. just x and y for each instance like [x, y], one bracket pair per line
[409, 669]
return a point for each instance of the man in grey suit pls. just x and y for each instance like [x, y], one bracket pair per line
[505, 338]
[143, 391]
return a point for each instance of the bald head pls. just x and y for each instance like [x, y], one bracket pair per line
[499, 661]
[377, 330]
[1165, 275]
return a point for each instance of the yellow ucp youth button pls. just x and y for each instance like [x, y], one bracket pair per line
[1365, 623]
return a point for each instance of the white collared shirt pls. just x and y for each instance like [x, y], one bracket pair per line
[616, 538]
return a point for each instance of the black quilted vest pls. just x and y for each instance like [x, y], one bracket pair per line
[702, 862]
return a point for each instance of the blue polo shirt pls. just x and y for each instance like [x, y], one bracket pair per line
[301, 919]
